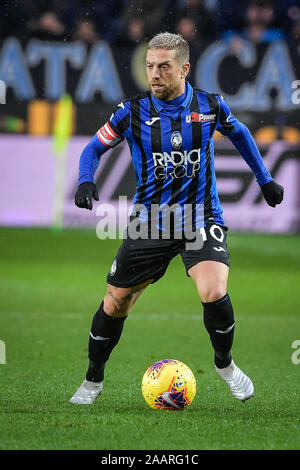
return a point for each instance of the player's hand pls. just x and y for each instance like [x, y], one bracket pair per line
[85, 194]
[273, 193]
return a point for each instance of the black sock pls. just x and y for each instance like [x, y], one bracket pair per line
[104, 336]
[218, 319]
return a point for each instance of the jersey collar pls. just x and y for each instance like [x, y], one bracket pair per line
[174, 107]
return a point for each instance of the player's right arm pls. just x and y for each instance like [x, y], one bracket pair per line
[243, 141]
[107, 137]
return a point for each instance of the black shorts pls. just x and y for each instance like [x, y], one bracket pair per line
[139, 260]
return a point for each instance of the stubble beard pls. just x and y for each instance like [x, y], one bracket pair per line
[166, 93]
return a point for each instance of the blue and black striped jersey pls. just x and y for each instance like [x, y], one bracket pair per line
[173, 152]
[173, 155]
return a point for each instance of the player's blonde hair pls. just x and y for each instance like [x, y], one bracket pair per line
[172, 42]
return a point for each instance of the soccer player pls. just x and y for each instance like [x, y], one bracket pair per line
[169, 130]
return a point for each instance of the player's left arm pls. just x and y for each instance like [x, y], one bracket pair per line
[243, 141]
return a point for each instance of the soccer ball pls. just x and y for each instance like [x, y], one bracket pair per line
[169, 384]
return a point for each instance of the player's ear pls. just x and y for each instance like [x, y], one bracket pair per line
[185, 69]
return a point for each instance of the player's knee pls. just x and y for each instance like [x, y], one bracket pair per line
[116, 306]
[212, 293]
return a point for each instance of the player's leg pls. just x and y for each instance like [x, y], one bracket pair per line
[211, 280]
[107, 326]
[138, 263]
[106, 330]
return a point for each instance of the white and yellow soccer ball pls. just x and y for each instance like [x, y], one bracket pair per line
[169, 384]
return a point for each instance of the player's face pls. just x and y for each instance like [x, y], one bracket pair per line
[166, 77]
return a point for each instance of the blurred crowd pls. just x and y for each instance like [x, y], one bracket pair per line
[132, 21]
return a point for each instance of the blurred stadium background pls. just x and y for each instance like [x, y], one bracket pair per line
[63, 65]
[94, 52]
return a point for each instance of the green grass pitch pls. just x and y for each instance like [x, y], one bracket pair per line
[52, 283]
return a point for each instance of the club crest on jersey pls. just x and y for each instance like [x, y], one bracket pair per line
[196, 117]
[113, 268]
[176, 139]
